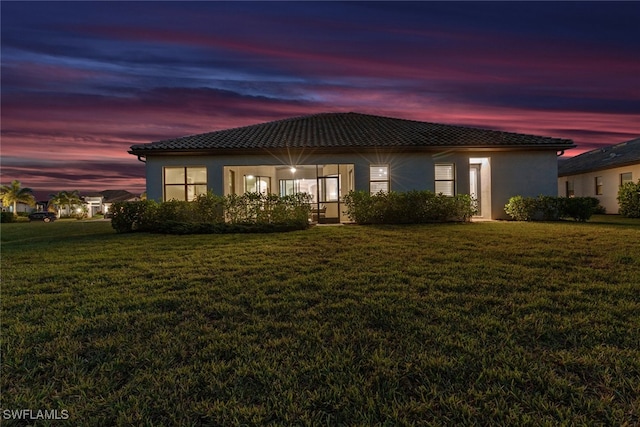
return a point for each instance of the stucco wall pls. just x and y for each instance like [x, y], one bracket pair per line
[527, 173]
[584, 185]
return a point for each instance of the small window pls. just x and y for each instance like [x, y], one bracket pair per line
[569, 191]
[445, 179]
[626, 177]
[598, 186]
[184, 183]
[379, 178]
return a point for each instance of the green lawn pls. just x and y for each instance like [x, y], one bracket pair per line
[496, 323]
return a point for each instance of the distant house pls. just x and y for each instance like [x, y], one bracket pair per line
[327, 155]
[600, 173]
[20, 207]
[100, 202]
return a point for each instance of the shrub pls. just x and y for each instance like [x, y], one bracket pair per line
[412, 207]
[359, 206]
[81, 212]
[580, 208]
[208, 208]
[133, 216]
[257, 208]
[291, 210]
[550, 208]
[521, 208]
[207, 213]
[175, 210]
[629, 200]
[7, 217]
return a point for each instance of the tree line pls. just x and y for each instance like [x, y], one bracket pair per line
[15, 193]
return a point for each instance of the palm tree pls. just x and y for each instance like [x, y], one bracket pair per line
[14, 194]
[57, 200]
[65, 198]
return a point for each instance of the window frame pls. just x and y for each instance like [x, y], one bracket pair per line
[386, 181]
[569, 189]
[451, 180]
[185, 184]
[599, 185]
[295, 184]
[258, 178]
[623, 181]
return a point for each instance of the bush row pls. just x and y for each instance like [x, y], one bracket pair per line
[550, 208]
[629, 199]
[412, 207]
[7, 217]
[208, 213]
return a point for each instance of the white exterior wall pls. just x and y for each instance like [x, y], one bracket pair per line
[584, 185]
[526, 173]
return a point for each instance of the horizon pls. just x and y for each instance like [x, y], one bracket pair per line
[82, 82]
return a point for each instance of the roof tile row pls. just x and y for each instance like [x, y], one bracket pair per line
[348, 130]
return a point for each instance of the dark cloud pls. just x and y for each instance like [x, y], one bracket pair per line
[82, 81]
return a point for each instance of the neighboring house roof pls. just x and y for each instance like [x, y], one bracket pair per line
[111, 196]
[348, 131]
[613, 156]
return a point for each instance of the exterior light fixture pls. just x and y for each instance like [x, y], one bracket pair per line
[293, 170]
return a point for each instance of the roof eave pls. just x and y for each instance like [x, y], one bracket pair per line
[231, 151]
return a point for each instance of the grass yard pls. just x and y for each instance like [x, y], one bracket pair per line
[495, 323]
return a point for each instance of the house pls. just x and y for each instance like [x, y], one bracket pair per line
[20, 207]
[101, 202]
[329, 154]
[600, 173]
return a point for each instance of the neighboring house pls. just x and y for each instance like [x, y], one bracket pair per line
[20, 207]
[600, 173]
[101, 202]
[327, 155]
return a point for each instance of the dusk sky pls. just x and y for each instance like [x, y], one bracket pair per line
[83, 81]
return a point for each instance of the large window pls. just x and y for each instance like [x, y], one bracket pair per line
[257, 184]
[445, 181]
[598, 186]
[289, 187]
[626, 177]
[184, 182]
[378, 178]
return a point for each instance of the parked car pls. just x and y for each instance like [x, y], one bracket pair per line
[42, 216]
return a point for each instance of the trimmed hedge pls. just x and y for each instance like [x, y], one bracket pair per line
[629, 200]
[209, 214]
[550, 208]
[412, 207]
[7, 217]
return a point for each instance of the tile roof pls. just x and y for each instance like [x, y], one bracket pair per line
[348, 130]
[602, 158]
[110, 196]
